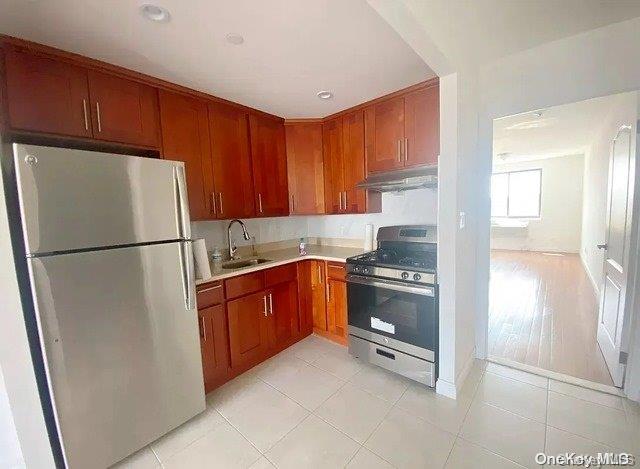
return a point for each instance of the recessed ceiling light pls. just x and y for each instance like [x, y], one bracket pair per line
[325, 94]
[155, 13]
[235, 39]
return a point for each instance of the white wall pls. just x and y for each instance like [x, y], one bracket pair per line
[560, 224]
[596, 63]
[10, 452]
[411, 207]
[596, 174]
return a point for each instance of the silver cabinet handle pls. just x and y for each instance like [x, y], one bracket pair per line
[406, 149]
[345, 200]
[204, 329]
[86, 115]
[271, 303]
[340, 201]
[264, 299]
[293, 203]
[98, 116]
[260, 201]
[213, 203]
[399, 151]
[328, 291]
[221, 206]
[319, 273]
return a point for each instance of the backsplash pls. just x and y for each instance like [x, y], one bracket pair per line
[411, 207]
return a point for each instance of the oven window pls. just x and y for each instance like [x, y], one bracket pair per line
[407, 317]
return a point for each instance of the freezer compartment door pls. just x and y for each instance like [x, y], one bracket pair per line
[121, 348]
[74, 199]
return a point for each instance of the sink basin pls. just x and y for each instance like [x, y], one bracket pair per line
[243, 263]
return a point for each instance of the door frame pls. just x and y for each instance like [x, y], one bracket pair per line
[631, 335]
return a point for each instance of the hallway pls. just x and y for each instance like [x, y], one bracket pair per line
[543, 312]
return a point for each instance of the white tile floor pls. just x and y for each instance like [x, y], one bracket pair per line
[315, 406]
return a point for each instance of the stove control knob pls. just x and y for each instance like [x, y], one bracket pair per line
[365, 270]
[356, 269]
[417, 277]
[404, 275]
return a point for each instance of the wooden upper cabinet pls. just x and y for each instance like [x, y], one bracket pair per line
[185, 137]
[269, 160]
[422, 126]
[123, 111]
[305, 168]
[232, 174]
[353, 147]
[46, 95]
[389, 136]
[333, 165]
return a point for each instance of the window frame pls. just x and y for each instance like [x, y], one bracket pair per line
[529, 217]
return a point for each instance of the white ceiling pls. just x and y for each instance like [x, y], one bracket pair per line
[560, 131]
[292, 49]
[473, 32]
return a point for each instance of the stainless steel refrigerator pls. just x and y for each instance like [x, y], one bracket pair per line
[108, 254]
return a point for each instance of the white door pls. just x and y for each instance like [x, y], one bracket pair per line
[613, 318]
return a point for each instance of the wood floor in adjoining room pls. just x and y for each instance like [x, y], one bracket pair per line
[543, 312]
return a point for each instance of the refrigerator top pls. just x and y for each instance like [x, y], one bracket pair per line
[72, 200]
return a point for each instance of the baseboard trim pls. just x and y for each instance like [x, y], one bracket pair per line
[557, 376]
[596, 288]
[453, 389]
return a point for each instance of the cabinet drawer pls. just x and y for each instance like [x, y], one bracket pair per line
[244, 284]
[281, 274]
[336, 270]
[209, 295]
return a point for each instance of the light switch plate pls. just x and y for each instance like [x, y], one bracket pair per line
[462, 220]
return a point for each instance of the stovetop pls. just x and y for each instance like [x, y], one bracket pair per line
[398, 259]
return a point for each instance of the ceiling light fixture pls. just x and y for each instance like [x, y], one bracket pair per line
[155, 13]
[324, 94]
[235, 39]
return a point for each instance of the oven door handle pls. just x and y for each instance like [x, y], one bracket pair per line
[391, 285]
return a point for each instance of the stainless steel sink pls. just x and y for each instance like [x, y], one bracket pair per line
[243, 263]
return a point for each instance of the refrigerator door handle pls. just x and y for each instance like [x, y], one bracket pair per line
[188, 275]
[184, 227]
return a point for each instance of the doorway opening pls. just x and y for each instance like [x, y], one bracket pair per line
[561, 204]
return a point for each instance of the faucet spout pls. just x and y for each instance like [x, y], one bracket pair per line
[245, 234]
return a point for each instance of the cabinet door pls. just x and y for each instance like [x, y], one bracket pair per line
[389, 136]
[185, 137]
[231, 161]
[353, 157]
[46, 95]
[214, 346]
[248, 329]
[123, 111]
[283, 306]
[422, 126]
[269, 160]
[305, 306]
[333, 165]
[337, 308]
[305, 168]
[319, 295]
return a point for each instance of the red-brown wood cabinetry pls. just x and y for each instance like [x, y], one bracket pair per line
[305, 168]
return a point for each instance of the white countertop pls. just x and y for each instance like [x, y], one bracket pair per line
[286, 256]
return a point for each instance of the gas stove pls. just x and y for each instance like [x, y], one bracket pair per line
[392, 298]
[405, 253]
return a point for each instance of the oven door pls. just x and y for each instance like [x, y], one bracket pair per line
[398, 315]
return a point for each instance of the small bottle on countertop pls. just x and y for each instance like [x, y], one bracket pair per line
[217, 260]
[302, 247]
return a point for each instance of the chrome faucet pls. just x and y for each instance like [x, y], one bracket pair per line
[245, 235]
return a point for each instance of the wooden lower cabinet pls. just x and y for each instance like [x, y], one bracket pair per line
[248, 330]
[214, 346]
[337, 310]
[283, 310]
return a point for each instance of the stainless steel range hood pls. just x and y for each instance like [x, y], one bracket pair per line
[402, 179]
